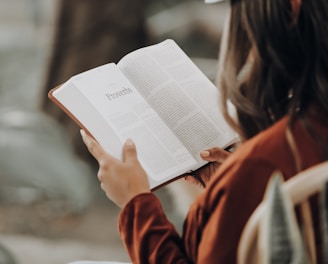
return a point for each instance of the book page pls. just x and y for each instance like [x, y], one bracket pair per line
[128, 115]
[182, 95]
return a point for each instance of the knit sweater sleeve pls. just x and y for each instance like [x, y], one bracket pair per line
[147, 234]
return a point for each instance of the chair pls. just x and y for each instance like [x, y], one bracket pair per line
[273, 233]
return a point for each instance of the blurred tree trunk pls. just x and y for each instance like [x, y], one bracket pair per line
[89, 34]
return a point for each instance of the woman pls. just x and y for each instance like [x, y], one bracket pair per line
[274, 70]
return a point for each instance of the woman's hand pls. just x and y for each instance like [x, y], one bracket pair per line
[120, 180]
[215, 156]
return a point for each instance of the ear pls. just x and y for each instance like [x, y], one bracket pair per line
[296, 6]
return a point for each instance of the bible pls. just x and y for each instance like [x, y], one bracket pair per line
[158, 97]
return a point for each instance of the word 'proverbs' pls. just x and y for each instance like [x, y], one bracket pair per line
[113, 96]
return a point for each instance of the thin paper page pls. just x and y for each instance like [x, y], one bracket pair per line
[181, 94]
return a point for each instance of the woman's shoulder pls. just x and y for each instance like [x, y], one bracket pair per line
[254, 161]
[268, 144]
[252, 164]
[268, 147]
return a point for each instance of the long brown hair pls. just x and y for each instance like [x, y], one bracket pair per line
[288, 67]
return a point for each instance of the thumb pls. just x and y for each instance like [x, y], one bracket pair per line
[215, 154]
[129, 151]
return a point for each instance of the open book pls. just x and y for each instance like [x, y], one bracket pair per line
[157, 97]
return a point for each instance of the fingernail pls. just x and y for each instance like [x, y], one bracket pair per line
[129, 142]
[205, 153]
[82, 132]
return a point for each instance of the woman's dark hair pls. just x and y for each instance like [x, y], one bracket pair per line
[287, 55]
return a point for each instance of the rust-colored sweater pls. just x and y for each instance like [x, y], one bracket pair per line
[216, 219]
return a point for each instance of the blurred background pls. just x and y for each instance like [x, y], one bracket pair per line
[52, 209]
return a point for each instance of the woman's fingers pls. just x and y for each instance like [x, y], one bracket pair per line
[215, 154]
[120, 180]
[94, 148]
[129, 151]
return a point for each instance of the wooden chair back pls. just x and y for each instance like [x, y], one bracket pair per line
[273, 233]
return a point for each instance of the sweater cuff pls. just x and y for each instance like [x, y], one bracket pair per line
[147, 201]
